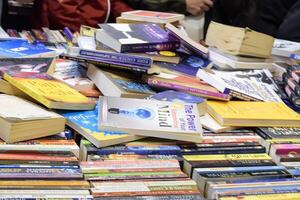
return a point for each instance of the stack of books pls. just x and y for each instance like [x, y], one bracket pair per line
[153, 114]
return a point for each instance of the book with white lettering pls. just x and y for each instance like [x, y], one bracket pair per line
[177, 121]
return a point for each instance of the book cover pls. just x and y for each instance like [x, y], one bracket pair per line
[253, 114]
[152, 16]
[21, 48]
[86, 123]
[47, 90]
[285, 48]
[189, 65]
[187, 42]
[136, 38]
[160, 119]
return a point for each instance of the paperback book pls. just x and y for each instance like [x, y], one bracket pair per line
[160, 119]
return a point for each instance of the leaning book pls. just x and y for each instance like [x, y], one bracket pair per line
[178, 121]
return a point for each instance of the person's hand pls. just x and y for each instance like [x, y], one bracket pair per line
[198, 7]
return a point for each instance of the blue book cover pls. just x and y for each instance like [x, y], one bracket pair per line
[86, 123]
[139, 37]
[239, 169]
[174, 96]
[189, 65]
[21, 48]
[295, 56]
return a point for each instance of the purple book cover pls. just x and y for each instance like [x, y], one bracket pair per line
[141, 37]
[189, 65]
[173, 86]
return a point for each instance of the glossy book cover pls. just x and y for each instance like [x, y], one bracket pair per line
[87, 121]
[151, 118]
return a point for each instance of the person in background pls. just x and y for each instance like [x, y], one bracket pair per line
[58, 14]
[278, 18]
[188, 7]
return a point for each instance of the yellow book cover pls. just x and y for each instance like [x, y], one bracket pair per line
[262, 156]
[48, 91]
[253, 114]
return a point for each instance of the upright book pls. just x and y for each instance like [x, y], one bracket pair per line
[126, 38]
[160, 119]
[22, 120]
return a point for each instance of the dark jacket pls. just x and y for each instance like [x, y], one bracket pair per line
[279, 18]
[177, 6]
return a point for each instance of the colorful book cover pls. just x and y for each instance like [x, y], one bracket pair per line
[189, 65]
[160, 119]
[140, 37]
[174, 96]
[47, 90]
[86, 123]
[20, 48]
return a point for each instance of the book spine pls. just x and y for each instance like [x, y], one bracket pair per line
[144, 151]
[115, 57]
[287, 151]
[164, 197]
[230, 150]
[294, 85]
[200, 92]
[165, 46]
[104, 64]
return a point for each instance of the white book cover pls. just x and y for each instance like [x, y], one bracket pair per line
[284, 47]
[257, 84]
[15, 108]
[160, 119]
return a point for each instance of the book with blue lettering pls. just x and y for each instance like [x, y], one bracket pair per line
[161, 119]
[189, 65]
[126, 38]
[86, 124]
[24, 49]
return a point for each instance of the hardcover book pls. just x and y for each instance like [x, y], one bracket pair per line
[86, 123]
[160, 119]
[126, 38]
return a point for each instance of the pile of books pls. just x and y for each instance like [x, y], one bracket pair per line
[150, 113]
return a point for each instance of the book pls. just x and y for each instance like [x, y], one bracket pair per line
[187, 42]
[86, 124]
[27, 120]
[188, 65]
[257, 85]
[265, 196]
[118, 84]
[148, 188]
[253, 114]
[112, 57]
[73, 74]
[284, 48]
[152, 16]
[7, 88]
[209, 123]
[182, 83]
[239, 41]
[174, 96]
[223, 60]
[21, 49]
[48, 91]
[126, 38]
[160, 119]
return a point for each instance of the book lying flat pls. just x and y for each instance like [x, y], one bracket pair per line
[253, 114]
[26, 120]
[178, 121]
